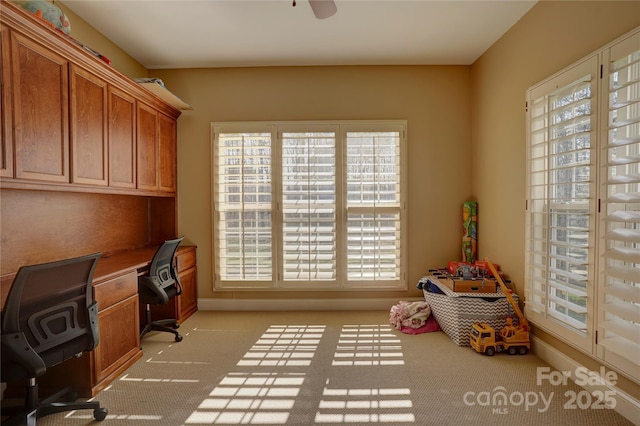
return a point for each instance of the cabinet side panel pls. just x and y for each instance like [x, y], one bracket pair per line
[189, 296]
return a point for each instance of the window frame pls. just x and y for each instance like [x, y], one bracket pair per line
[542, 314]
[341, 127]
[613, 281]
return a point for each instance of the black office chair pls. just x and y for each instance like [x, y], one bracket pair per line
[49, 316]
[160, 286]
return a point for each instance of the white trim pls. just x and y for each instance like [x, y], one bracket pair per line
[626, 405]
[218, 304]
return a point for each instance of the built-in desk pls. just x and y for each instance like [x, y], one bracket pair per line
[66, 193]
[115, 283]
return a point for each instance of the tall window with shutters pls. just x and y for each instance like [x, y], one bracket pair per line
[309, 205]
[561, 202]
[582, 279]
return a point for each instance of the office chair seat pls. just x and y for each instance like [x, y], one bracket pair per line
[49, 317]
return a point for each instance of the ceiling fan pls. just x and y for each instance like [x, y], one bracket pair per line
[322, 8]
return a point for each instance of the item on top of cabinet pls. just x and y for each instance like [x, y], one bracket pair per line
[50, 13]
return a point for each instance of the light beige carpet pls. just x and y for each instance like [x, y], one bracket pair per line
[328, 368]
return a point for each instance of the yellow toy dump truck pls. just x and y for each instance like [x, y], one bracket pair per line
[512, 338]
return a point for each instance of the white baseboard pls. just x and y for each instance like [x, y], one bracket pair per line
[298, 304]
[626, 405]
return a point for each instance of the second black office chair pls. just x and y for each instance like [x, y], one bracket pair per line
[160, 286]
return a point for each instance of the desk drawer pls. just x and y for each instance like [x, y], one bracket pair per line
[186, 259]
[110, 292]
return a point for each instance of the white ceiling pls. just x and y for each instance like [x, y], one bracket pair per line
[240, 33]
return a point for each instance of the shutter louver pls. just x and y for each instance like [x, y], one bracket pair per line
[619, 339]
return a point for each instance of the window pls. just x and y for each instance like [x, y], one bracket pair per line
[583, 205]
[317, 205]
[561, 201]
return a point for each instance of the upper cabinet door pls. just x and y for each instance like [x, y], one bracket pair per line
[41, 111]
[147, 141]
[89, 153]
[167, 158]
[6, 134]
[122, 139]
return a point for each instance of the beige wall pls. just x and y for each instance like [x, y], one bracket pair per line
[87, 35]
[551, 36]
[434, 100]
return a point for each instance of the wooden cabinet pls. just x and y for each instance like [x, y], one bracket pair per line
[122, 139]
[6, 126]
[118, 324]
[89, 151]
[40, 111]
[72, 123]
[156, 150]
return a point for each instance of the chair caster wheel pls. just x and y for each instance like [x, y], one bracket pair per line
[178, 338]
[100, 414]
[176, 325]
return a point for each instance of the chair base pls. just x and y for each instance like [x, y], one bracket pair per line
[28, 414]
[160, 325]
[163, 325]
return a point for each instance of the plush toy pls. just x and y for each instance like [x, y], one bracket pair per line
[49, 13]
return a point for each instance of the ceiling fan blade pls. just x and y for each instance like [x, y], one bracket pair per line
[323, 8]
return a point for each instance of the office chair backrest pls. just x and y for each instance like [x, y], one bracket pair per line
[162, 268]
[49, 313]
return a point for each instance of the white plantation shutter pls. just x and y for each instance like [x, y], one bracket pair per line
[242, 206]
[619, 303]
[309, 205]
[561, 202]
[373, 205]
[573, 262]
